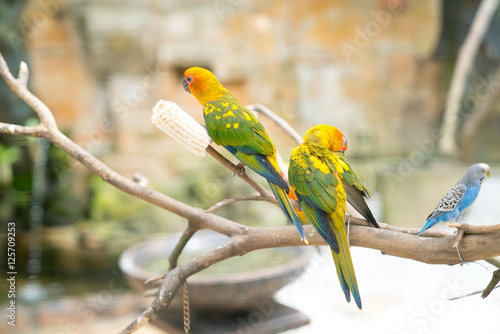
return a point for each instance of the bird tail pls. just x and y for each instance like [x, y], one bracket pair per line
[343, 262]
[287, 207]
[301, 214]
[428, 224]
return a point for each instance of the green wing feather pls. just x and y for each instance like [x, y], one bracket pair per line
[240, 132]
[356, 191]
[231, 124]
[236, 128]
[316, 187]
[316, 192]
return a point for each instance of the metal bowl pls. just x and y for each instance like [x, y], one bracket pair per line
[216, 292]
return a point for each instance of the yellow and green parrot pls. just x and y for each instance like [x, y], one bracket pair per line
[233, 126]
[320, 175]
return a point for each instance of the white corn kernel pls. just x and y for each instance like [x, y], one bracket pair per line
[171, 119]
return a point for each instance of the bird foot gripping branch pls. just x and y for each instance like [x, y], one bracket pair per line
[241, 165]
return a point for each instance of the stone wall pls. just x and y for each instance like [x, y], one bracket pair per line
[364, 67]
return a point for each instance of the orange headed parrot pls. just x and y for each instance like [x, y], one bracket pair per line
[320, 175]
[355, 190]
[233, 126]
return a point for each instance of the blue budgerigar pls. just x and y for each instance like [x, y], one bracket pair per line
[452, 206]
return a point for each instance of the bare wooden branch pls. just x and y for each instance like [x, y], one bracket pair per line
[234, 200]
[52, 133]
[174, 278]
[470, 294]
[475, 229]
[463, 66]
[492, 284]
[141, 179]
[186, 236]
[23, 75]
[284, 125]
[481, 112]
[32, 131]
[464, 228]
[390, 240]
[494, 262]
[460, 235]
[239, 171]
[19, 86]
[400, 242]
[287, 128]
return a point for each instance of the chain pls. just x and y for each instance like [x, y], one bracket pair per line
[185, 307]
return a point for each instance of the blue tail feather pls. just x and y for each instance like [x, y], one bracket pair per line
[430, 223]
[287, 207]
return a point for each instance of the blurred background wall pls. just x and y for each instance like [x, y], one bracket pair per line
[377, 70]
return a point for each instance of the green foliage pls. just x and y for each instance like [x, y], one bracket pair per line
[119, 219]
[15, 194]
[63, 204]
[213, 183]
[109, 203]
[8, 156]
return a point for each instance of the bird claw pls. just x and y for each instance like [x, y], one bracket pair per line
[241, 166]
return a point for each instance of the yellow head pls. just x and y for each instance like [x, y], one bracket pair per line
[328, 136]
[202, 84]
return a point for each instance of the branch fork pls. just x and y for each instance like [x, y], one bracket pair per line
[388, 239]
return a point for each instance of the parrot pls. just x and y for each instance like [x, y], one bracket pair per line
[452, 206]
[320, 174]
[302, 216]
[233, 126]
[355, 194]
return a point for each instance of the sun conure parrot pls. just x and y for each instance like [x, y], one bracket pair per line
[355, 190]
[302, 216]
[320, 175]
[233, 126]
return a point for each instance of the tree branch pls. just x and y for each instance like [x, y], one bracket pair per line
[32, 131]
[287, 128]
[478, 117]
[492, 284]
[390, 240]
[19, 86]
[471, 229]
[265, 195]
[186, 236]
[234, 200]
[50, 131]
[494, 262]
[476, 229]
[240, 171]
[396, 241]
[463, 66]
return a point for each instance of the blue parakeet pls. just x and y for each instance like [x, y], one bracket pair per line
[452, 206]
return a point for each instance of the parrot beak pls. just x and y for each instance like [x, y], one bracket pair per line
[185, 85]
[488, 174]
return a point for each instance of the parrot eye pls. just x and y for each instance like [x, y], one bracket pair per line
[189, 79]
